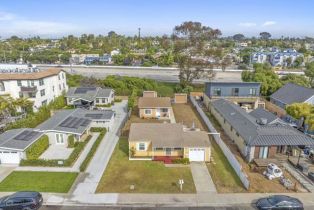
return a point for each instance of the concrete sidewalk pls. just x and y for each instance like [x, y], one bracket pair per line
[202, 179]
[74, 168]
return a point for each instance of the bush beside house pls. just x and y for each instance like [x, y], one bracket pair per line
[71, 142]
[36, 149]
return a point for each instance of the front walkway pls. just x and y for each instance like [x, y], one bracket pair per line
[56, 152]
[202, 179]
[5, 171]
[84, 192]
[74, 168]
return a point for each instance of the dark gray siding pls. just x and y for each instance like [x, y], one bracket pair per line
[226, 88]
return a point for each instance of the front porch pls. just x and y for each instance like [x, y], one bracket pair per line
[57, 152]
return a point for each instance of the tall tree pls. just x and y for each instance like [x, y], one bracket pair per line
[238, 37]
[265, 35]
[194, 60]
[309, 72]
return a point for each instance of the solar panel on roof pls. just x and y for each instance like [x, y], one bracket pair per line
[74, 122]
[84, 90]
[85, 123]
[94, 116]
[25, 135]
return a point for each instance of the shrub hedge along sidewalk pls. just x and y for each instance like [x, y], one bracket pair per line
[36, 149]
[53, 163]
[91, 153]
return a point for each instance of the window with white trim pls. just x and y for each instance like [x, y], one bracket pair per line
[148, 111]
[141, 146]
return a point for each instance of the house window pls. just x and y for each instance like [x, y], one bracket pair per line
[30, 83]
[42, 92]
[237, 134]
[59, 76]
[41, 82]
[217, 92]
[19, 83]
[141, 147]
[148, 111]
[63, 76]
[43, 103]
[63, 86]
[53, 88]
[231, 128]
[177, 148]
[253, 91]
[32, 95]
[104, 101]
[97, 100]
[60, 87]
[164, 110]
[59, 138]
[235, 91]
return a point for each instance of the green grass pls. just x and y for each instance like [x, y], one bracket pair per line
[57, 182]
[147, 176]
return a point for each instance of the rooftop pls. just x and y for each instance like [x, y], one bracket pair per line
[150, 102]
[19, 139]
[30, 75]
[292, 93]
[88, 93]
[257, 134]
[261, 113]
[173, 135]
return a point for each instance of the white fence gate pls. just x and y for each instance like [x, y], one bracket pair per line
[231, 158]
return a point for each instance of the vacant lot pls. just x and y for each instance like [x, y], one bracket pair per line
[220, 170]
[57, 182]
[146, 176]
[258, 183]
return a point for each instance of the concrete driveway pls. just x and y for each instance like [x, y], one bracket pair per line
[5, 171]
[202, 179]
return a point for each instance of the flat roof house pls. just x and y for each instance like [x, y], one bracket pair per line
[162, 141]
[291, 93]
[75, 122]
[243, 93]
[89, 96]
[255, 139]
[151, 106]
[13, 144]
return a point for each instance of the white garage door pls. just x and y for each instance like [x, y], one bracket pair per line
[197, 154]
[7, 157]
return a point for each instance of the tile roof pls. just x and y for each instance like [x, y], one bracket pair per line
[31, 76]
[256, 134]
[88, 93]
[263, 113]
[149, 102]
[292, 93]
[173, 135]
[11, 139]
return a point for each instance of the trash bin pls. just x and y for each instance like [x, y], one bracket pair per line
[303, 167]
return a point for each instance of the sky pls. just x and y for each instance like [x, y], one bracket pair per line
[57, 18]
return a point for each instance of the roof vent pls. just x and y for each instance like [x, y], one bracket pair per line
[232, 113]
[262, 121]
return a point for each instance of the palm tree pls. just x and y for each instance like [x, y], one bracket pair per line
[25, 104]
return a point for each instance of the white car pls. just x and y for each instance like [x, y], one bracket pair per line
[273, 171]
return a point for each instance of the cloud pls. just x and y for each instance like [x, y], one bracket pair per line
[269, 23]
[247, 24]
[20, 26]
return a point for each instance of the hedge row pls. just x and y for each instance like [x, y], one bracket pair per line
[37, 148]
[98, 129]
[54, 163]
[93, 150]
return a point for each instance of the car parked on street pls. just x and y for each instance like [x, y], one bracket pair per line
[24, 200]
[281, 202]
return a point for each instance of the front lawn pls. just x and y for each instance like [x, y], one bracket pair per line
[57, 182]
[147, 176]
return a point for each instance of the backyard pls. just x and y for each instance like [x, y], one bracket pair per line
[57, 182]
[220, 170]
[146, 176]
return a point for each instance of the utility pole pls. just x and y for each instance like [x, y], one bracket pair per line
[139, 35]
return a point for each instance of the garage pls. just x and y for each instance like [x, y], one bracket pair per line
[9, 157]
[197, 154]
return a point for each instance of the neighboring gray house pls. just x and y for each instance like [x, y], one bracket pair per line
[243, 93]
[13, 144]
[89, 96]
[254, 139]
[265, 117]
[291, 93]
[75, 122]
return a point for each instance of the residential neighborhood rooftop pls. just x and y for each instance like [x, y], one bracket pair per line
[292, 93]
[257, 134]
[19, 139]
[154, 102]
[88, 93]
[261, 113]
[30, 75]
[168, 135]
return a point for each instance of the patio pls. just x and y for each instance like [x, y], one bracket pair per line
[56, 152]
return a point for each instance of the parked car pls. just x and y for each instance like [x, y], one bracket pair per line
[279, 202]
[24, 200]
[273, 171]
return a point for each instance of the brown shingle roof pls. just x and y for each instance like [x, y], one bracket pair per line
[154, 102]
[167, 135]
[30, 76]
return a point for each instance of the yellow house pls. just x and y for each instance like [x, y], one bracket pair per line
[155, 141]
[155, 107]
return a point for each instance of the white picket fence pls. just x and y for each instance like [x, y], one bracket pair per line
[231, 158]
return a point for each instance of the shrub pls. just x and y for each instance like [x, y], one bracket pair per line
[132, 98]
[71, 142]
[54, 163]
[104, 105]
[117, 100]
[93, 150]
[184, 161]
[98, 129]
[39, 147]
